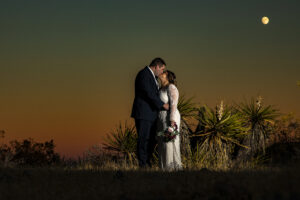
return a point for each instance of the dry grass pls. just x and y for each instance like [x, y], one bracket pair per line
[106, 176]
[51, 183]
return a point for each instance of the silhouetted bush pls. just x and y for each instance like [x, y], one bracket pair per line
[285, 130]
[29, 153]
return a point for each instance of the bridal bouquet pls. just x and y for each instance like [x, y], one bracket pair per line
[169, 134]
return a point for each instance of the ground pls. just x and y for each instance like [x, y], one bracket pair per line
[47, 183]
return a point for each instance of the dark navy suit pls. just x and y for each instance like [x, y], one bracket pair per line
[145, 110]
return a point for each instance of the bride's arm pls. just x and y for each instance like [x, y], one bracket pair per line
[174, 96]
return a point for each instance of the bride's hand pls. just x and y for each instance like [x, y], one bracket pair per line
[166, 106]
[173, 124]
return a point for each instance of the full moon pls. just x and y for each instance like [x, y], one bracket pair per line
[265, 20]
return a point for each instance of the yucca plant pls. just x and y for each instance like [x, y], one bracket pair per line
[188, 111]
[259, 119]
[219, 134]
[187, 108]
[194, 160]
[123, 140]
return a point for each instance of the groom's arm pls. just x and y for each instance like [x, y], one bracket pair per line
[145, 87]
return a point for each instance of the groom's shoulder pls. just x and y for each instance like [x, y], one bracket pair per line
[143, 72]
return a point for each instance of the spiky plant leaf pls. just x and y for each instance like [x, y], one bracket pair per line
[188, 111]
[123, 140]
[187, 107]
[259, 119]
[220, 132]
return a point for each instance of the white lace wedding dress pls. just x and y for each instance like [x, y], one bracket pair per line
[169, 152]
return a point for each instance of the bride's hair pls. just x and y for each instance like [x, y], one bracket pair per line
[171, 77]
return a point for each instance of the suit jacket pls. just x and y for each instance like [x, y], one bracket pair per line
[147, 102]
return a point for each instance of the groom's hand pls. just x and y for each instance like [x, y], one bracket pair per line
[166, 106]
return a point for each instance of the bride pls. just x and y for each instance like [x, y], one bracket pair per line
[169, 152]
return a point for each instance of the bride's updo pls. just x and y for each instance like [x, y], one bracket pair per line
[171, 77]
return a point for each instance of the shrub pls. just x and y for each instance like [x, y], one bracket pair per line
[29, 153]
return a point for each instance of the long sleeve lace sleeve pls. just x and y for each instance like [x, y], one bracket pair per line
[174, 96]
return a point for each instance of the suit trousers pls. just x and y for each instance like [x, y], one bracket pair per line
[146, 131]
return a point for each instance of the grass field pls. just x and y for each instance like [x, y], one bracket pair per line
[47, 183]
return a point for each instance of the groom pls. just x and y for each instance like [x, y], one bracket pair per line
[145, 109]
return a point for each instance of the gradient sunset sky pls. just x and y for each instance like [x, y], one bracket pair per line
[68, 67]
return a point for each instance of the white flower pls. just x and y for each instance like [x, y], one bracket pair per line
[220, 110]
[259, 101]
[170, 129]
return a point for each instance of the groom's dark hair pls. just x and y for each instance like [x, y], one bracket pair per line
[157, 61]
